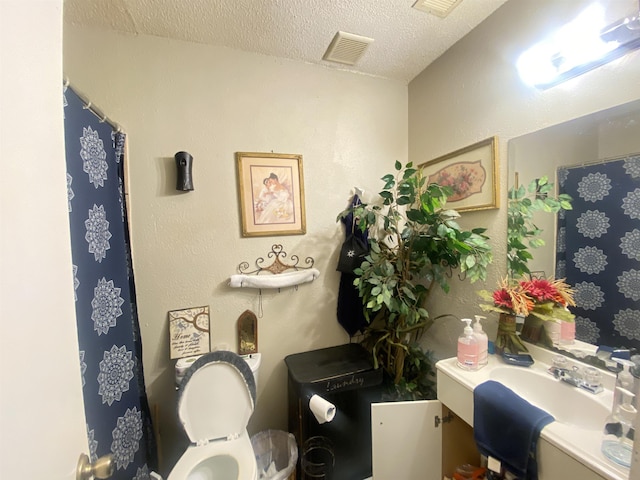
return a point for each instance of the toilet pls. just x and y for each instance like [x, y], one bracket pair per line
[216, 398]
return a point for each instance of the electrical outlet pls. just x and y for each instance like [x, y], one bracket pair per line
[221, 346]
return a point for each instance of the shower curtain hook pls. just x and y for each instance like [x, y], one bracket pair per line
[87, 106]
[65, 82]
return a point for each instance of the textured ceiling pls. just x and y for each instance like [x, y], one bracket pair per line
[406, 40]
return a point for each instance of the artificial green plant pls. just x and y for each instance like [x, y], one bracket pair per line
[415, 245]
[522, 232]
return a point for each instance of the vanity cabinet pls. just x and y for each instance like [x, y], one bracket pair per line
[564, 451]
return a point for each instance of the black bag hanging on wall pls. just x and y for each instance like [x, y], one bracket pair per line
[352, 253]
[355, 246]
[354, 249]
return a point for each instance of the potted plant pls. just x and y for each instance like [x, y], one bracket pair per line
[415, 244]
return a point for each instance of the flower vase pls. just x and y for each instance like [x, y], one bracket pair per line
[567, 333]
[507, 340]
[533, 329]
[552, 329]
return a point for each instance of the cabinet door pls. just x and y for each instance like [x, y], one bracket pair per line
[407, 440]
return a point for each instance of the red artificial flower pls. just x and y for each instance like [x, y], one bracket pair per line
[543, 296]
[540, 289]
[502, 298]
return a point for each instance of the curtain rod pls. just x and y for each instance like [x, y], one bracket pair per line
[603, 160]
[88, 105]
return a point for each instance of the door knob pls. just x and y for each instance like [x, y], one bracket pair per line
[101, 468]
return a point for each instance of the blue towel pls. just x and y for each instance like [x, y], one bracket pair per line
[507, 427]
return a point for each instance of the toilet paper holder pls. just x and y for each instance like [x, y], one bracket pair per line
[323, 410]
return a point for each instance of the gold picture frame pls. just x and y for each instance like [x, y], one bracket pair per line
[271, 189]
[473, 174]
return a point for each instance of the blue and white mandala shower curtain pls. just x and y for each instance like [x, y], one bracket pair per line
[598, 249]
[116, 408]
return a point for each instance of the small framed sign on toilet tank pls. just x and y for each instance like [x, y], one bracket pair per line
[189, 331]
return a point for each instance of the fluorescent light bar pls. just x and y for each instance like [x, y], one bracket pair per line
[581, 45]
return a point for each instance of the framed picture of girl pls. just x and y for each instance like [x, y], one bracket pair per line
[271, 190]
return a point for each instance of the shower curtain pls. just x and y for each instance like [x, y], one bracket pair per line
[116, 409]
[598, 249]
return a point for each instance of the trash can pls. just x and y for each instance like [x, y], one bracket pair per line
[276, 455]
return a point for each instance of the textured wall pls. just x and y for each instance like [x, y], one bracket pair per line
[213, 102]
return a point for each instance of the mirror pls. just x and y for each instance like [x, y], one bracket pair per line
[578, 157]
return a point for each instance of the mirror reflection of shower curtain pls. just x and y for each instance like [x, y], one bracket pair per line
[116, 409]
[598, 249]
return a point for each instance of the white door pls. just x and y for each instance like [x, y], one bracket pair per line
[42, 426]
[407, 440]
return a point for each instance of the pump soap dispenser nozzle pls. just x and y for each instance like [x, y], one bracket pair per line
[483, 342]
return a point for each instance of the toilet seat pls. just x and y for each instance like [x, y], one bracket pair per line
[215, 402]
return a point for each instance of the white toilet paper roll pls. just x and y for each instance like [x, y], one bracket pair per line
[323, 411]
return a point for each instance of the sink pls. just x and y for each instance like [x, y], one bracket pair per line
[568, 404]
[569, 447]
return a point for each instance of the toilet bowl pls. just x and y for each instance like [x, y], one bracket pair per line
[215, 401]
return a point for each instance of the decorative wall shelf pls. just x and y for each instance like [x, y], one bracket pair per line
[276, 275]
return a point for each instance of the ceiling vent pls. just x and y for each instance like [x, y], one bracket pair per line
[441, 8]
[346, 48]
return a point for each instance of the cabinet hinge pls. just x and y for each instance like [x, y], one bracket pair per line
[446, 419]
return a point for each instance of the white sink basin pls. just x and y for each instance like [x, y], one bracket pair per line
[568, 404]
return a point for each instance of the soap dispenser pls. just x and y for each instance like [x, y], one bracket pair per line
[483, 342]
[468, 348]
[617, 444]
[624, 380]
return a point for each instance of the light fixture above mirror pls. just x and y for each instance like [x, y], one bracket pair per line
[579, 46]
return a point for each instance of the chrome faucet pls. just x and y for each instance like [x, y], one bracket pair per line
[588, 379]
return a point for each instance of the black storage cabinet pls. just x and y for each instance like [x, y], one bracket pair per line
[343, 375]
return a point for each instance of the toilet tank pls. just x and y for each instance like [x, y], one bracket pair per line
[254, 360]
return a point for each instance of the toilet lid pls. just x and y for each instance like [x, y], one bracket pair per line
[216, 398]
